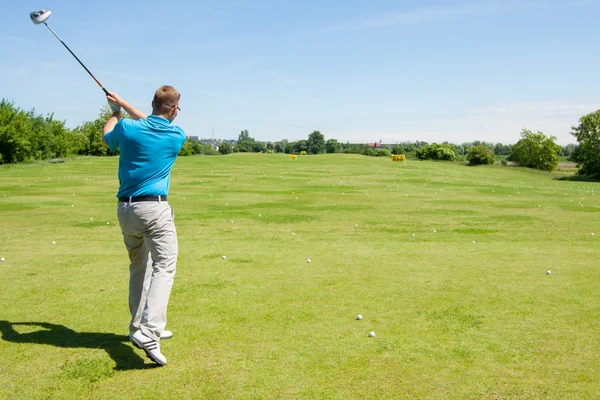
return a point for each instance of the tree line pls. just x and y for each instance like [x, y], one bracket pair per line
[26, 136]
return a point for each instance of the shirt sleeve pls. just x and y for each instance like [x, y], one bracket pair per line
[182, 137]
[112, 137]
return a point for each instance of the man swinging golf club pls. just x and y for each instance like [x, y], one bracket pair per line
[148, 148]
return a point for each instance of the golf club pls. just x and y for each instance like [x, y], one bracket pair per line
[40, 17]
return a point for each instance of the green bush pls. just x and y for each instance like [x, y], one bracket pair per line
[332, 146]
[383, 153]
[187, 149]
[480, 155]
[587, 154]
[225, 148]
[536, 150]
[26, 136]
[397, 149]
[211, 152]
[368, 152]
[435, 151]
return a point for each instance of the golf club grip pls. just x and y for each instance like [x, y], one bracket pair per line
[105, 91]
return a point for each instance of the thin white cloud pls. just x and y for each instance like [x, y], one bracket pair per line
[278, 75]
[499, 123]
[285, 79]
[19, 39]
[429, 14]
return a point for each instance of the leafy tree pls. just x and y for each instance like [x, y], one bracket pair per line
[282, 146]
[245, 143]
[299, 146]
[187, 149]
[587, 154]
[197, 147]
[315, 143]
[244, 135]
[398, 149]
[409, 147]
[269, 146]
[27, 136]
[258, 147]
[435, 151]
[383, 153]
[356, 148]
[480, 155]
[502, 149]
[332, 146]
[536, 150]
[15, 134]
[225, 148]
[91, 132]
[368, 152]
[568, 150]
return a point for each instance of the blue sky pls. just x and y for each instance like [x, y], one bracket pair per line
[358, 71]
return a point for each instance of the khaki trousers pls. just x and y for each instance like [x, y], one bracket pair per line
[151, 240]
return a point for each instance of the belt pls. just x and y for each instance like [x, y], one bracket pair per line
[129, 199]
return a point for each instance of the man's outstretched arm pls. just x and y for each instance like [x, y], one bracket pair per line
[133, 112]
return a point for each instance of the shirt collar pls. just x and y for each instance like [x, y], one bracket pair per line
[158, 119]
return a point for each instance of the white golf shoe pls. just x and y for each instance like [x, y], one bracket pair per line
[166, 335]
[150, 346]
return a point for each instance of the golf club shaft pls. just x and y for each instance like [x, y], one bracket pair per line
[73, 54]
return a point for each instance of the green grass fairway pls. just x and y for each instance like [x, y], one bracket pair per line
[446, 263]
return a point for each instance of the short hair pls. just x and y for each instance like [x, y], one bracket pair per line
[164, 99]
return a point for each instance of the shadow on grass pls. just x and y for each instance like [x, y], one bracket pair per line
[577, 178]
[116, 346]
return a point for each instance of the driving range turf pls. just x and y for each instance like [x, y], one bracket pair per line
[466, 312]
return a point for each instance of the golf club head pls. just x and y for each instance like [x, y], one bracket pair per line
[39, 17]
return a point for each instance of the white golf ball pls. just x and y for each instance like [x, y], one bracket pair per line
[308, 261]
[91, 219]
[473, 242]
[53, 242]
[592, 234]
[224, 257]
[259, 215]
[372, 334]
[548, 272]
[356, 226]
[1, 259]
[293, 234]
[413, 235]
[231, 221]
[434, 231]
[359, 317]
[108, 223]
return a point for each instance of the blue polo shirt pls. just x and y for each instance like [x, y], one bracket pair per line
[148, 149]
